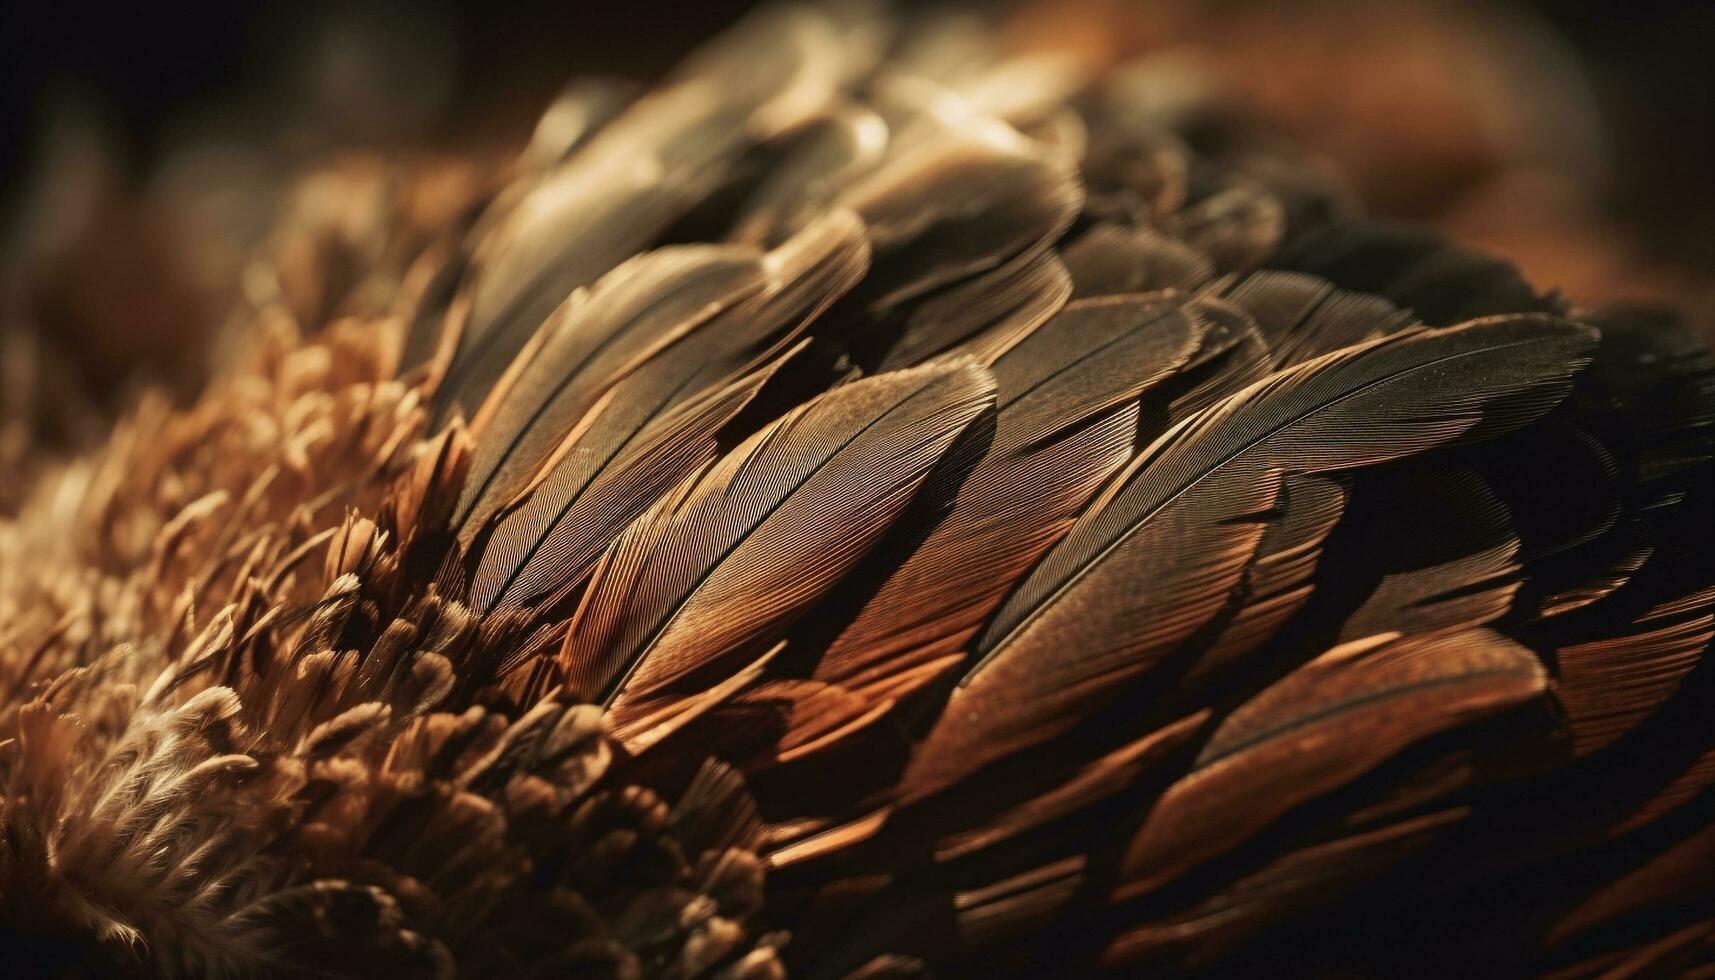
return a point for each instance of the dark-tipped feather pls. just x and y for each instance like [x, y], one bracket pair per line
[658, 423]
[1380, 694]
[1187, 517]
[726, 561]
[1066, 422]
[589, 345]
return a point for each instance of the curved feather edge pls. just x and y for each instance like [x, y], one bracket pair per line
[1321, 726]
[729, 558]
[659, 423]
[1186, 518]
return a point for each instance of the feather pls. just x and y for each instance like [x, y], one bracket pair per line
[1100, 779]
[772, 525]
[875, 503]
[1415, 270]
[1237, 226]
[1066, 422]
[1453, 562]
[1685, 786]
[1233, 356]
[1302, 317]
[983, 316]
[1299, 879]
[958, 207]
[653, 427]
[1110, 259]
[1024, 901]
[825, 156]
[632, 180]
[527, 268]
[1188, 514]
[1279, 580]
[592, 342]
[1619, 578]
[1139, 172]
[1609, 685]
[1335, 718]
[1676, 871]
[579, 110]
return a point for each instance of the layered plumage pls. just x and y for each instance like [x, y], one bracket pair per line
[870, 507]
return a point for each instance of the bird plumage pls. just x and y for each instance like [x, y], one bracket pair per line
[869, 507]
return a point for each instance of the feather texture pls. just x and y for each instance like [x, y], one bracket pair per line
[657, 423]
[1066, 423]
[677, 594]
[1381, 694]
[875, 504]
[594, 341]
[1188, 514]
[640, 173]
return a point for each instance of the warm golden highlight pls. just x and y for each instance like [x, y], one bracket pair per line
[872, 506]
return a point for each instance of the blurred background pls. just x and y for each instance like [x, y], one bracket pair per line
[145, 149]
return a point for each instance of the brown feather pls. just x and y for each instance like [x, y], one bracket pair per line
[1321, 726]
[730, 557]
[659, 422]
[1066, 422]
[1187, 516]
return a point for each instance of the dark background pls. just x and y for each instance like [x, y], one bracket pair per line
[1652, 63]
[146, 68]
[149, 68]
[150, 99]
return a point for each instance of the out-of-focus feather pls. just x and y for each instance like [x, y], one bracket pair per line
[642, 171]
[578, 112]
[957, 207]
[825, 157]
[1139, 173]
[1110, 259]
[1237, 226]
